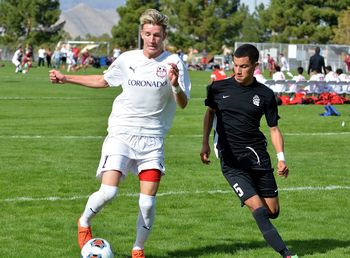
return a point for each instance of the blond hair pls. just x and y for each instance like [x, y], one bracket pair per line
[154, 17]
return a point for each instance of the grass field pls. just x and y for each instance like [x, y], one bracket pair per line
[50, 138]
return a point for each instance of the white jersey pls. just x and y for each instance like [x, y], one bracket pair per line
[146, 105]
[284, 64]
[16, 58]
[299, 78]
[278, 88]
[331, 76]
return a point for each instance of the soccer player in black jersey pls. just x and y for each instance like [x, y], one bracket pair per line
[239, 103]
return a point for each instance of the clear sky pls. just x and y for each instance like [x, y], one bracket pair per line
[251, 3]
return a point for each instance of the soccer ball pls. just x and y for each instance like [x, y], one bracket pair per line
[97, 248]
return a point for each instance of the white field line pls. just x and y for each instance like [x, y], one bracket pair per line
[171, 193]
[87, 137]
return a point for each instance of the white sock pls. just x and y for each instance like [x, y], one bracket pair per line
[96, 202]
[147, 205]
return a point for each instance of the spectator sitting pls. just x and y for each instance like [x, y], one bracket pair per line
[316, 76]
[217, 74]
[343, 78]
[331, 76]
[297, 78]
[278, 76]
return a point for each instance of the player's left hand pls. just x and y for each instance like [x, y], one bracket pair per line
[173, 74]
[282, 169]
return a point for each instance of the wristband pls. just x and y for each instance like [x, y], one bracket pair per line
[176, 89]
[280, 156]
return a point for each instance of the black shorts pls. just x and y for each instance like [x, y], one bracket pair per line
[249, 172]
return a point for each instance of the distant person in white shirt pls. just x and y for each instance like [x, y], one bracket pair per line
[343, 77]
[297, 78]
[17, 59]
[279, 76]
[41, 56]
[330, 77]
[285, 65]
[315, 76]
[71, 64]
[154, 81]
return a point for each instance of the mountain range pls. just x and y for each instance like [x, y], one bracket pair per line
[98, 4]
[83, 19]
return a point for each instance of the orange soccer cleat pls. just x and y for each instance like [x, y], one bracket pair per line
[137, 254]
[84, 235]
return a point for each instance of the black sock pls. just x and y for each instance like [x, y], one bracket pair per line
[269, 232]
[285, 252]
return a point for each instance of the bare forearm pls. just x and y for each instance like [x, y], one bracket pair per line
[181, 99]
[207, 125]
[277, 139]
[92, 81]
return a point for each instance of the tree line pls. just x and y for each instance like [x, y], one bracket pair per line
[200, 24]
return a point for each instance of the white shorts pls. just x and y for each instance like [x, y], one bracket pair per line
[16, 62]
[131, 153]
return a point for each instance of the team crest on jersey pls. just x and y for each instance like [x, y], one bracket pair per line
[256, 100]
[161, 71]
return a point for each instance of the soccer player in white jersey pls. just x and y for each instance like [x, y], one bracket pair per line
[343, 77]
[332, 80]
[153, 82]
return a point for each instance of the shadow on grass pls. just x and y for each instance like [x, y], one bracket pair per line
[301, 247]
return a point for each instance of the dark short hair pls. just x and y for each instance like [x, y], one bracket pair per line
[300, 70]
[247, 50]
[328, 67]
[217, 66]
[339, 71]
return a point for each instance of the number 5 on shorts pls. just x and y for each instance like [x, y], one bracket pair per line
[238, 190]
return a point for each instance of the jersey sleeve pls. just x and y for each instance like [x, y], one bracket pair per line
[184, 78]
[271, 111]
[209, 101]
[114, 75]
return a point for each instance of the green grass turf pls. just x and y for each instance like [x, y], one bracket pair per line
[51, 136]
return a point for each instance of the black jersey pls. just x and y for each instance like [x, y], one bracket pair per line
[239, 110]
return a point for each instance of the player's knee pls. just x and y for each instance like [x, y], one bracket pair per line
[146, 202]
[274, 214]
[108, 192]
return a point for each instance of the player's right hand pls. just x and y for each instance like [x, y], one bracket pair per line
[205, 153]
[282, 169]
[56, 77]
